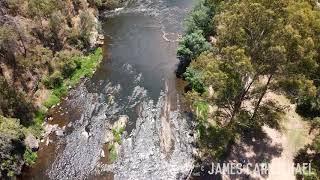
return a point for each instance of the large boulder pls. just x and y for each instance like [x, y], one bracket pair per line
[31, 142]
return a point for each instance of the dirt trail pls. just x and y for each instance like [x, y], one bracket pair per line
[293, 137]
[275, 147]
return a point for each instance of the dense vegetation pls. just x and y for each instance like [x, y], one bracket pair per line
[234, 52]
[46, 47]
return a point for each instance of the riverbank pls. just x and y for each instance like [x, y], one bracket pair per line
[87, 64]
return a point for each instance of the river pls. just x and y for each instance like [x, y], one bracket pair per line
[136, 79]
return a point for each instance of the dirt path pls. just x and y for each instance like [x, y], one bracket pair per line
[276, 147]
[293, 137]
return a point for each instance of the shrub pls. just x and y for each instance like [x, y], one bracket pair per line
[194, 79]
[86, 27]
[200, 19]
[112, 153]
[190, 47]
[52, 100]
[308, 106]
[53, 81]
[30, 157]
[11, 146]
[69, 68]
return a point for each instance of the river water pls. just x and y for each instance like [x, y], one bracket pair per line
[137, 80]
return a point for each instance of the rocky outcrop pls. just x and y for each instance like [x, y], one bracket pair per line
[31, 142]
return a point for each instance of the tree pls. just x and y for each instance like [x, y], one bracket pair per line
[8, 43]
[11, 147]
[57, 27]
[201, 18]
[13, 104]
[87, 25]
[260, 44]
[189, 48]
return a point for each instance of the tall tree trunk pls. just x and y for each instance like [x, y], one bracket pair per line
[261, 97]
[240, 98]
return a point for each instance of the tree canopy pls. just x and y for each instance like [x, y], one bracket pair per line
[260, 46]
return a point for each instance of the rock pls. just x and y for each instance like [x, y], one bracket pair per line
[32, 142]
[70, 124]
[122, 121]
[212, 109]
[108, 137]
[48, 128]
[59, 132]
[48, 141]
[117, 147]
[213, 40]
[195, 152]
[110, 99]
[210, 91]
[102, 153]
[85, 134]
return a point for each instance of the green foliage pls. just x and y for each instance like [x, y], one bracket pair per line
[8, 40]
[309, 106]
[69, 68]
[83, 66]
[214, 140]
[52, 100]
[14, 104]
[311, 153]
[53, 81]
[201, 18]
[86, 26]
[11, 146]
[57, 23]
[117, 134]
[41, 8]
[30, 157]
[202, 109]
[112, 153]
[192, 45]
[260, 45]
[194, 78]
[189, 48]
[15, 6]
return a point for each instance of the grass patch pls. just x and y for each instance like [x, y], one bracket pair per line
[112, 153]
[202, 110]
[117, 134]
[52, 100]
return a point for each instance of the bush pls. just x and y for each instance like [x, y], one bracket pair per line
[52, 100]
[30, 157]
[70, 67]
[112, 153]
[190, 47]
[11, 147]
[194, 79]
[53, 81]
[87, 25]
[14, 104]
[308, 106]
[200, 19]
